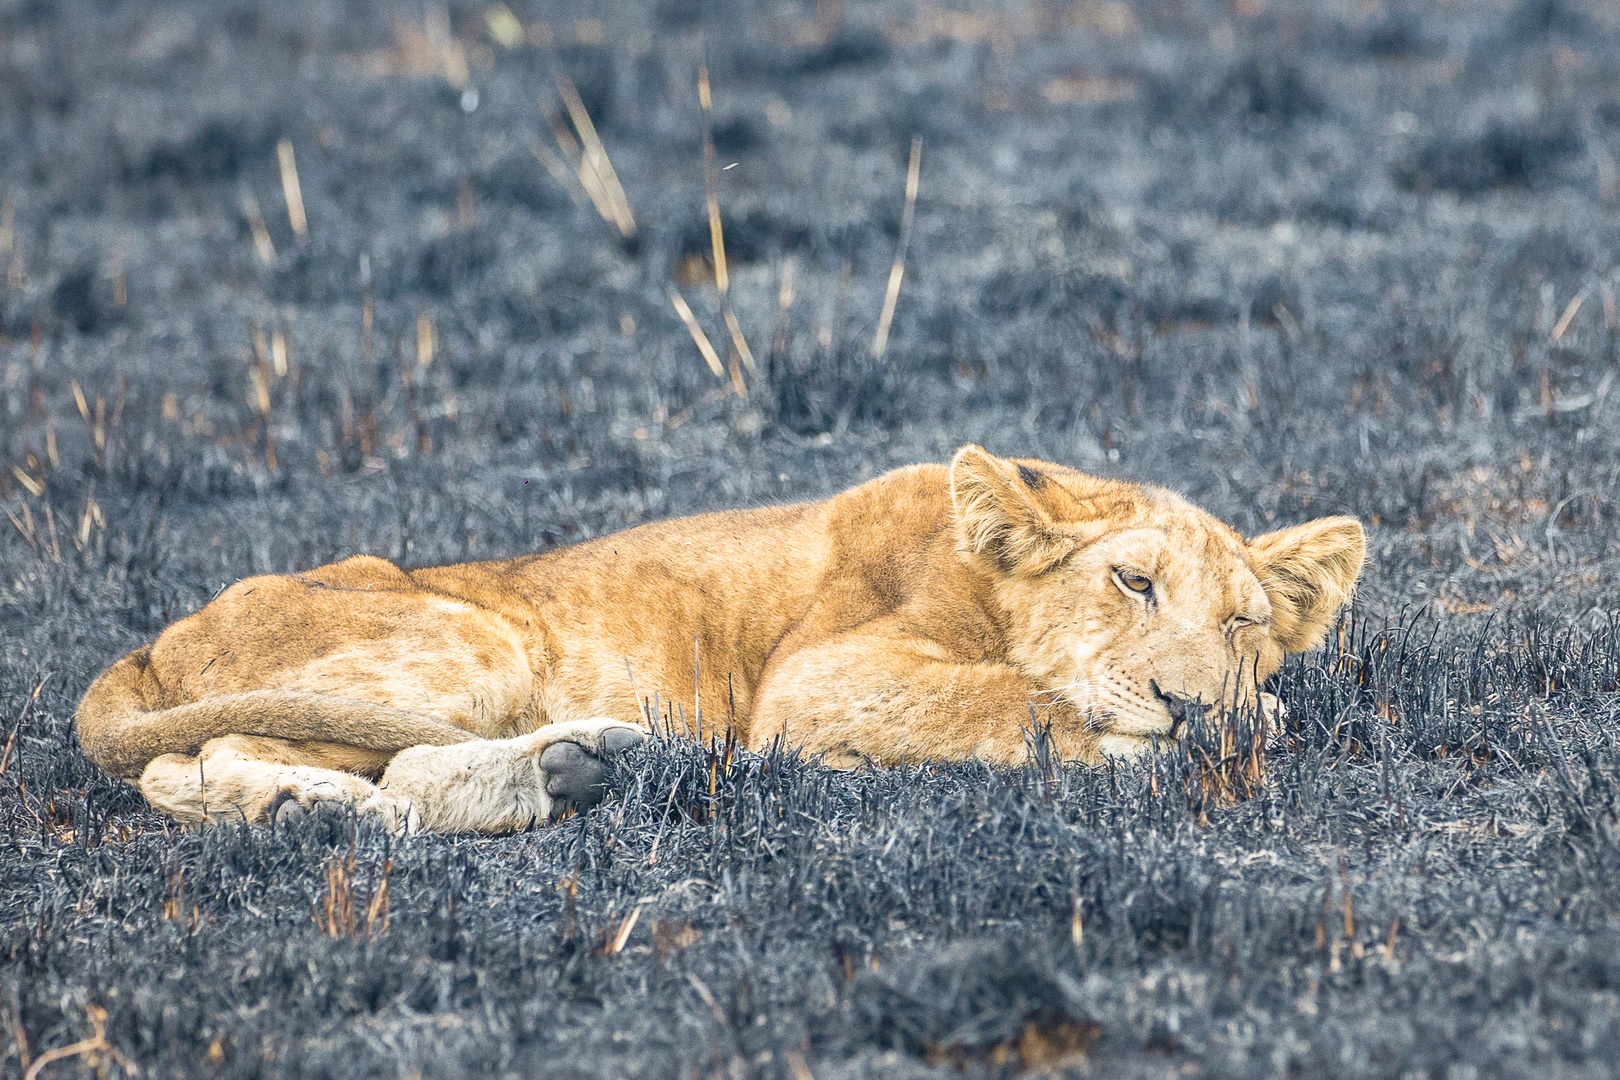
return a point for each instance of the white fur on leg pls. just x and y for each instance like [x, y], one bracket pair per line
[487, 785]
[223, 785]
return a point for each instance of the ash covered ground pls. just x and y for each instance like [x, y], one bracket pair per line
[1291, 259]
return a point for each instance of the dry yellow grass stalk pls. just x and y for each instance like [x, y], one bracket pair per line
[34, 487]
[558, 169]
[629, 924]
[710, 357]
[596, 173]
[290, 188]
[278, 353]
[717, 236]
[711, 184]
[739, 342]
[880, 342]
[426, 339]
[261, 234]
[1569, 313]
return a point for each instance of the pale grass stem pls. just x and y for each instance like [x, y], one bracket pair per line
[426, 339]
[558, 169]
[261, 389]
[1570, 311]
[717, 236]
[92, 518]
[25, 526]
[261, 233]
[739, 342]
[34, 487]
[98, 430]
[711, 184]
[880, 343]
[710, 357]
[291, 190]
[705, 401]
[278, 353]
[623, 935]
[584, 176]
[596, 173]
[565, 139]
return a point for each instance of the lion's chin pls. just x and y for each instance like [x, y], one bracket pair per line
[1125, 747]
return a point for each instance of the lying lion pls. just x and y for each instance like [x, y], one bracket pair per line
[925, 615]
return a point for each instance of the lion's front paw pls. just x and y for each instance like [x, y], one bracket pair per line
[499, 785]
[574, 760]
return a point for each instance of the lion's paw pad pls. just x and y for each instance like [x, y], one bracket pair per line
[574, 774]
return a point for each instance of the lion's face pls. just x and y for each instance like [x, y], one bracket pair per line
[1136, 607]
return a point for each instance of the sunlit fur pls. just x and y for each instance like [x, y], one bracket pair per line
[929, 614]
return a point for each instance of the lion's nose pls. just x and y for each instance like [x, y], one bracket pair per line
[1182, 709]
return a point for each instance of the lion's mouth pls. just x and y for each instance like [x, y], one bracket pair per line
[1181, 709]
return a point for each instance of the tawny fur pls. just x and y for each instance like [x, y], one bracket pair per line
[924, 615]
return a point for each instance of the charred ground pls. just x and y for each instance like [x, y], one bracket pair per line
[1290, 259]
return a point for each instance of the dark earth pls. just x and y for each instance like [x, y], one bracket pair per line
[1291, 258]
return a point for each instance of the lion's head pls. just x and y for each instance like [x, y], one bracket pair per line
[1133, 605]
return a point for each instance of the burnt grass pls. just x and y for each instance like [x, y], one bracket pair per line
[1288, 258]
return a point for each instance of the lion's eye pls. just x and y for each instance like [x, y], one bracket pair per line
[1135, 583]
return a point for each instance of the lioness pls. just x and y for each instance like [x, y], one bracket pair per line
[922, 615]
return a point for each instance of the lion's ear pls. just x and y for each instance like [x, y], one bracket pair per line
[1308, 572]
[998, 517]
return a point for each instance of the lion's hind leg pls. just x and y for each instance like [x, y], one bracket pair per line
[246, 778]
[502, 785]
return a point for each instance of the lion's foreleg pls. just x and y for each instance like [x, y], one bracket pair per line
[502, 785]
